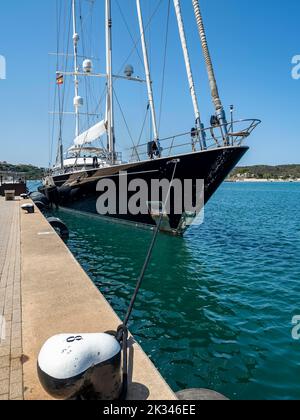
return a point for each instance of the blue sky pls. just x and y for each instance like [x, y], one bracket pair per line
[252, 43]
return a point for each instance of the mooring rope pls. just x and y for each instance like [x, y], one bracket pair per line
[122, 333]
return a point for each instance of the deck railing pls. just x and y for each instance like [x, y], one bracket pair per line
[222, 135]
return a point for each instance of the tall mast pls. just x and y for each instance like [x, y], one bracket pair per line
[110, 99]
[147, 71]
[209, 66]
[76, 82]
[188, 67]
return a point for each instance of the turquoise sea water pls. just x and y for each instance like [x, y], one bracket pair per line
[216, 307]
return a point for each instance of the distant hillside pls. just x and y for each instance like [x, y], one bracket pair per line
[31, 172]
[245, 172]
[267, 172]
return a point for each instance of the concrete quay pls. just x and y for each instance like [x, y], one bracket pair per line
[44, 292]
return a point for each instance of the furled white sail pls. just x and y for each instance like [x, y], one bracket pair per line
[91, 134]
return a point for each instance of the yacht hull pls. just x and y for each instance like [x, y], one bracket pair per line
[78, 190]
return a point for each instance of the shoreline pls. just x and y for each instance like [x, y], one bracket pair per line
[261, 181]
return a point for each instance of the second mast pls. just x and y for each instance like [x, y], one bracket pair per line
[110, 93]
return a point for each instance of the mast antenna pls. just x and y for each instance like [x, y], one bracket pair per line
[210, 69]
[147, 71]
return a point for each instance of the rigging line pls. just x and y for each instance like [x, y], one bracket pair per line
[89, 34]
[90, 86]
[140, 37]
[92, 45]
[66, 63]
[59, 18]
[123, 116]
[86, 36]
[52, 134]
[129, 31]
[97, 104]
[164, 66]
[64, 33]
[150, 67]
[122, 332]
[132, 51]
[58, 30]
[150, 39]
[151, 248]
[60, 102]
[143, 126]
[82, 36]
[91, 83]
[51, 137]
[136, 43]
[86, 82]
[141, 134]
[61, 98]
[84, 17]
[83, 52]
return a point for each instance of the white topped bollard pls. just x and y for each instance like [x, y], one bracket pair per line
[86, 366]
[29, 208]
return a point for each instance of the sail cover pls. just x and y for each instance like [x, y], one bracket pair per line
[91, 134]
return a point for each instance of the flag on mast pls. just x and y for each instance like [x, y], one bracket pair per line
[60, 79]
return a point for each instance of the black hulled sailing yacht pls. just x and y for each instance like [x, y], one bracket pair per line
[208, 154]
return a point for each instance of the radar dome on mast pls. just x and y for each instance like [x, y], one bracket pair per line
[87, 66]
[129, 70]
